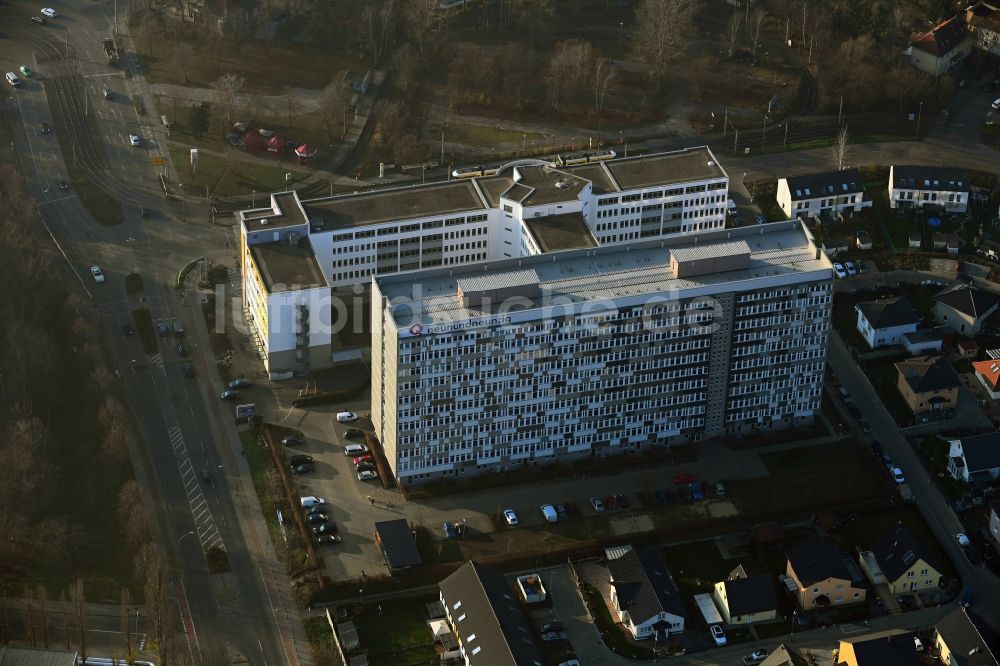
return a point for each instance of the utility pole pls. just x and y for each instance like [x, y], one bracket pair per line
[763, 135]
[840, 110]
[736, 138]
[920, 112]
[788, 22]
[725, 122]
[442, 145]
[116, 20]
[784, 146]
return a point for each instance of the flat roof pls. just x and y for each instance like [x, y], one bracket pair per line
[540, 185]
[568, 231]
[401, 203]
[665, 168]
[285, 211]
[596, 174]
[603, 273]
[287, 267]
[493, 187]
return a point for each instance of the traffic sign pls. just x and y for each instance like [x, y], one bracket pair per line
[157, 161]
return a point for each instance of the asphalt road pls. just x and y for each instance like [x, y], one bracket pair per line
[247, 610]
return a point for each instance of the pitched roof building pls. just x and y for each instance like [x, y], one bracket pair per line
[487, 618]
[983, 19]
[821, 193]
[645, 595]
[960, 642]
[941, 48]
[824, 575]
[746, 599]
[893, 646]
[398, 546]
[882, 323]
[906, 560]
[964, 308]
[916, 186]
[11, 655]
[927, 383]
[975, 459]
[785, 656]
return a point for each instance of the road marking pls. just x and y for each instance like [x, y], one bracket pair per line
[50, 201]
[157, 360]
[190, 633]
[207, 530]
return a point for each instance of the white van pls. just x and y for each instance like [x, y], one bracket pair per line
[549, 512]
[13, 80]
[346, 417]
[355, 449]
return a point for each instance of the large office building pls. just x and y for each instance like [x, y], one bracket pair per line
[597, 351]
[295, 252]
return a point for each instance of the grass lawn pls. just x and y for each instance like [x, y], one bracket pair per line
[144, 327]
[398, 635]
[480, 135]
[845, 320]
[613, 636]
[883, 375]
[697, 567]
[227, 176]
[801, 478]
[934, 451]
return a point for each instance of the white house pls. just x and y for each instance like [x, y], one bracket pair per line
[883, 323]
[643, 593]
[824, 194]
[916, 186]
[941, 48]
[975, 459]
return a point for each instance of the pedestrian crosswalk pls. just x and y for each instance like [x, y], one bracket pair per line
[157, 360]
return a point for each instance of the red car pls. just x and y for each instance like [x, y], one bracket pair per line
[361, 459]
[684, 479]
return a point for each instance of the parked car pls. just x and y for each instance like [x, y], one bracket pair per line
[240, 383]
[720, 489]
[510, 517]
[303, 469]
[355, 449]
[851, 268]
[718, 635]
[897, 475]
[365, 466]
[996, 104]
[25, 71]
[317, 519]
[162, 329]
[351, 433]
[559, 635]
[597, 504]
[315, 508]
[449, 531]
[97, 274]
[346, 417]
[325, 528]
[918, 645]
[839, 269]
[621, 502]
[327, 538]
[361, 459]
[551, 626]
[684, 479]
[696, 492]
[292, 440]
[188, 369]
[229, 395]
[48, 11]
[755, 657]
[367, 475]
[46, 129]
[300, 459]
[134, 140]
[311, 500]
[963, 540]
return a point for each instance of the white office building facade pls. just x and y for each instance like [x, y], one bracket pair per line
[597, 352]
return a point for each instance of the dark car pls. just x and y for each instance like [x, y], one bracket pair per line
[327, 538]
[365, 466]
[127, 330]
[351, 433]
[300, 459]
[63, 184]
[229, 395]
[292, 440]
[45, 128]
[188, 369]
[325, 528]
[163, 329]
[240, 383]
[696, 493]
[144, 213]
[303, 469]
[449, 531]
[182, 349]
[315, 508]
[621, 502]
[317, 519]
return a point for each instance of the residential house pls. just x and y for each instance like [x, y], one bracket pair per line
[825, 194]
[983, 20]
[883, 323]
[922, 341]
[221, 17]
[892, 646]
[963, 308]
[975, 459]
[786, 656]
[988, 374]
[927, 383]
[744, 599]
[995, 521]
[824, 575]
[863, 240]
[906, 561]
[941, 48]
[643, 593]
[917, 186]
[959, 642]
[487, 618]
[15, 655]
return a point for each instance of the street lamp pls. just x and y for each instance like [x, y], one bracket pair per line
[184, 535]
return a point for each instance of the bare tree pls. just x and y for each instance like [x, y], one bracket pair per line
[132, 514]
[151, 564]
[568, 70]
[757, 21]
[663, 29]
[333, 106]
[419, 16]
[840, 148]
[735, 23]
[77, 595]
[604, 74]
[226, 88]
[404, 62]
[378, 20]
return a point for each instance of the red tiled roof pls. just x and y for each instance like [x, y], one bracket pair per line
[942, 38]
[988, 370]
